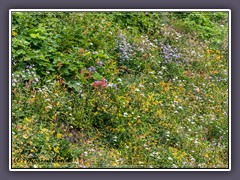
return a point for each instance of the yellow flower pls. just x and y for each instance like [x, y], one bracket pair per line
[47, 138]
[159, 112]
[32, 150]
[114, 164]
[56, 165]
[218, 57]
[59, 136]
[56, 149]
[45, 130]
[14, 33]
[104, 109]
[28, 120]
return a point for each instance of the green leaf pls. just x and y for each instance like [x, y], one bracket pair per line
[97, 76]
[101, 55]
[27, 58]
[34, 35]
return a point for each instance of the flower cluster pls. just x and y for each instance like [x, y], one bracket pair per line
[102, 83]
[146, 45]
[170, 54]
[26, 75]
[124, 48]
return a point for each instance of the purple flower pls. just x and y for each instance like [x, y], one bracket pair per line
[92, 69]
[170, 54]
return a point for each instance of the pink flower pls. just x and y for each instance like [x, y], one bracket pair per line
[198, 90]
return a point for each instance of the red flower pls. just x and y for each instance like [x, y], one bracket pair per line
[82, 72]
[103, 83]
[95, 84]
[89, 74]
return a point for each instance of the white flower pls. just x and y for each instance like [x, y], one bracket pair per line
[115, 138]
[35, 166]
[169, 158]
[120, 80]
[180, 107]
[140, 85]
[49, 107]
[137, 90]
[164, 67]
[125, 114]
[192, 159]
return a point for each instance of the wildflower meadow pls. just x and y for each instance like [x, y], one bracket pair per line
[120, 90]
